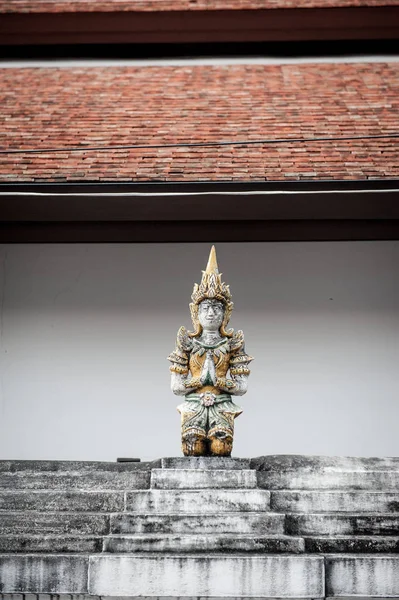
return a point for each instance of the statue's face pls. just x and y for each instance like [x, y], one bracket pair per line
[210, 314]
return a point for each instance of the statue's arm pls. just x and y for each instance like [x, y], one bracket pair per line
[181, 384]
[237, 385]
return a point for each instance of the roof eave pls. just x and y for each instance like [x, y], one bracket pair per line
[200, 26]
[199, 211]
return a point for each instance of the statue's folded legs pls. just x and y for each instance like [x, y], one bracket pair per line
[209, 366]
[221, 437]
[215, 440]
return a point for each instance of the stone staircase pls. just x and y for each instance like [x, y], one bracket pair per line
[197, 506]
[272, 527]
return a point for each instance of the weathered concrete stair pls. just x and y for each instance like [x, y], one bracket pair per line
[327, 473]
[200, 505]
[240, 523]
[198, 501]
[211, 543]
[306, 527]
[62, 506]
[181, 479]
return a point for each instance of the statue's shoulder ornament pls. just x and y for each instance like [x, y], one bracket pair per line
[237, 341]
[184, 342]
[180, 355]
[239, 360]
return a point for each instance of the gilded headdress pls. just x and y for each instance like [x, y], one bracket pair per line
[211, 287]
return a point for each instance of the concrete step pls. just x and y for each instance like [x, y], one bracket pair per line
[342, 524]
[259, 523]
[68, 501]
[214, 543]
[312, 464]
[361, 544]
[362, 576]
[197, 501]
[44, 574]
[53, 523]
[202, 478]
[51, 544]
[372, 481]
[205, 462]
[96, 480]
[74, 466]
[212, 575]
[326, 501]
[326, 473]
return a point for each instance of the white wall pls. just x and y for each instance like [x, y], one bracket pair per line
[85, 331]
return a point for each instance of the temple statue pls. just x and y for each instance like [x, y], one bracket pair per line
[209, 366]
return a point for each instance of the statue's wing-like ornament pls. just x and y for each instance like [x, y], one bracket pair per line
[180, 355]
[239, 360]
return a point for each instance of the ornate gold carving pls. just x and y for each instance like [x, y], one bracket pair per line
[183, 342]
[195, 382]
[178, 369]
[223, 383]
[177, 358]
[241, 358]
[237, 341]
[211, 287]
[240, 370]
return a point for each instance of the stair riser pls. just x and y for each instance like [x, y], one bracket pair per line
[50, 544]
[205, 462]
[373, 481]
[201, 543]
[318, 502]
[315, 525]
[77, 481]
[240, 523]
[62, 501]
[207, 576]
[197, 501]
[207, 478]
[352, 545]
[362, 576]
[44, 574]
[53, 523]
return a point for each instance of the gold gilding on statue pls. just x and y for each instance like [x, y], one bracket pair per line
[201, 364]
[212, 266]
[211, 287]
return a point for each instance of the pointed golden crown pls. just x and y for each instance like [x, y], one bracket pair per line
[211, 287]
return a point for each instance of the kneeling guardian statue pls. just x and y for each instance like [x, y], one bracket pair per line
[209, 366]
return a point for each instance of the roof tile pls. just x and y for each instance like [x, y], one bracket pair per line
[68, 107]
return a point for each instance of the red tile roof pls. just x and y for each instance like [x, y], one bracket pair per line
[174, 5]
[53, 107]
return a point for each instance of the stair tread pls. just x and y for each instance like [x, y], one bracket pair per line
[222, 516]
[231, 535]
[65, 536]
[202, 470]
[348, 537]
